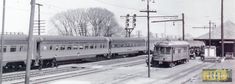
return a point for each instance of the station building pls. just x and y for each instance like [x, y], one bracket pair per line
[229, 38]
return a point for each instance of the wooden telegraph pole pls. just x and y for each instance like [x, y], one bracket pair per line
[30, 42]
[2, 40]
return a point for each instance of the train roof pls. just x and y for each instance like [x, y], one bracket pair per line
[59, 38]
[128, 39]
[15, 37]
[172, 43]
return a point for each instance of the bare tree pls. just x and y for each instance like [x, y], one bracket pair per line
[76, 22]
[71, 22]
[103, 22]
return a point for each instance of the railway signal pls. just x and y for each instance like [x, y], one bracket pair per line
[134, 20]
[128, 28]
[127, 20]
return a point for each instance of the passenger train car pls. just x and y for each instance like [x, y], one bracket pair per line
[48, 50]
[170, 53]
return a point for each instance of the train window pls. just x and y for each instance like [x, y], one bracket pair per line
[62, 47]
[173, 50]
[104, 46]
[101, 46]
[13, 49]
[80, 47]
[51, 47]
[44, 47]
[115, 45]
[86, 46]
[21, 48]
[179, 50]
[69, 47]
[4, 48]
[162, 50]
[91, 46]
[168, 50]
[75, 47]
[95, 46]
[185, 49]
[121, 45]
[57, 47]
[165, 50]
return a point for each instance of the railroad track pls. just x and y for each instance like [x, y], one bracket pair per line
[35, 73]
[44, 75]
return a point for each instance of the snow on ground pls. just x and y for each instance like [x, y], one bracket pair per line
[138, 75]
[71, 82]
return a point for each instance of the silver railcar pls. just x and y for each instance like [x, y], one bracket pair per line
[170, 53]
[126, 46]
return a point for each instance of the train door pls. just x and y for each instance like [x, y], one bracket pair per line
[38, 60]
[109, 48]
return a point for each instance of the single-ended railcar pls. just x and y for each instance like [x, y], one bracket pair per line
[170, 53]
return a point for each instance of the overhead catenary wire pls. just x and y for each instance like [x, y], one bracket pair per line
[114, 5]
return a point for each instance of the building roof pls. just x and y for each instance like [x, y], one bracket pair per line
[196, 43]
[172, 43]
[229, 32]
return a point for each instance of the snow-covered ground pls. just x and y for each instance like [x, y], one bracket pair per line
[138, 74]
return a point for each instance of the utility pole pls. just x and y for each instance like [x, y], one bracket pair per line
[148, 12]
[2, 40]
[39, 31]
[222, 28]
[183, 26]
[210, 26]
[183, 23]
[30, 42]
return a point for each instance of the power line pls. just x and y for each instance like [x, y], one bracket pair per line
[116, 5]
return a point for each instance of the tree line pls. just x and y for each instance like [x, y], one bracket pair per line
[86, 22]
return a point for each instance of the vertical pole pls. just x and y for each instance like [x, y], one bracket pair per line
[209, 38]
[39, 31]
[183, 24]
[222, 28]
[2, 40]
[148, 38]
[209, 34]
[30, 42]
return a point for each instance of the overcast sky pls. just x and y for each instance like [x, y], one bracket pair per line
[197, 13]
